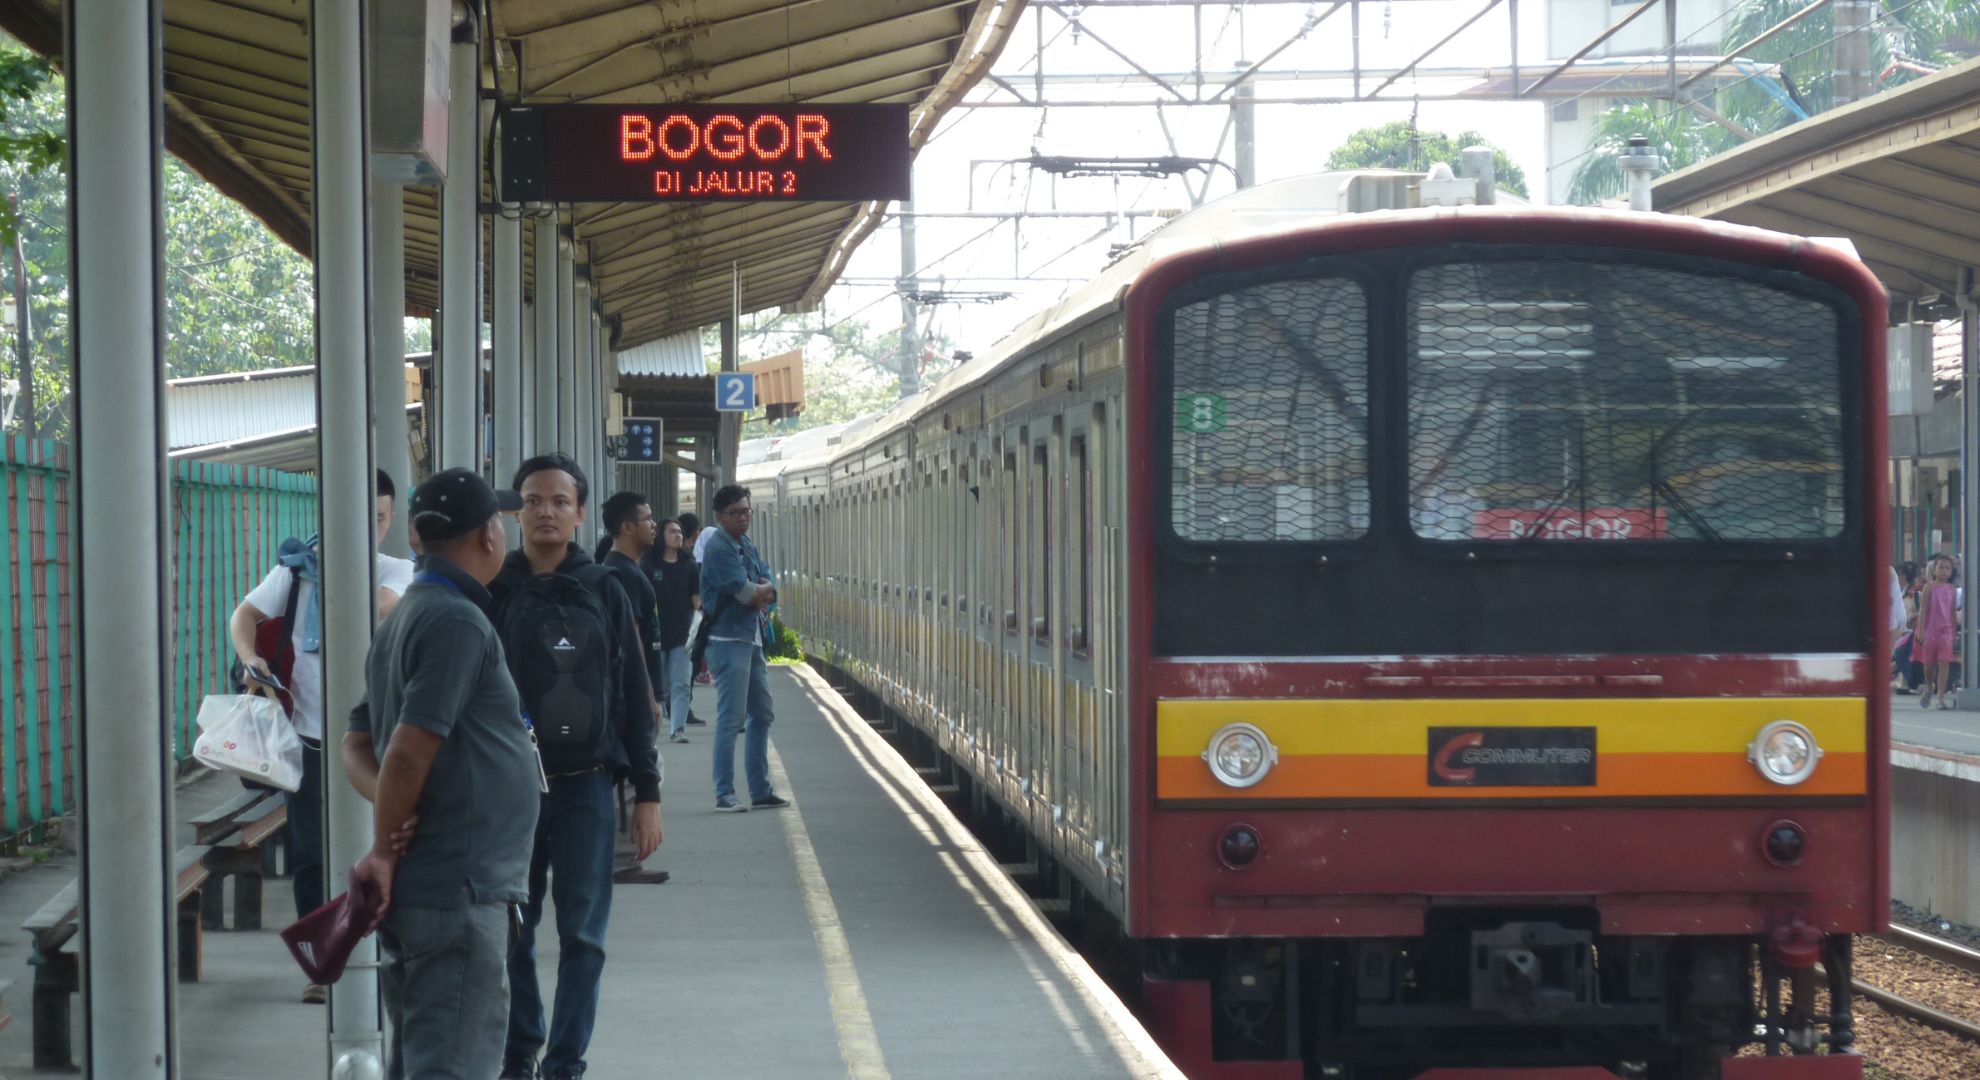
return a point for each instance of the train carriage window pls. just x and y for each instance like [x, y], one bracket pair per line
[1269, 419]
[1581, 400]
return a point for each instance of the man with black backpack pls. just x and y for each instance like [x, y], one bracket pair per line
[569, 633]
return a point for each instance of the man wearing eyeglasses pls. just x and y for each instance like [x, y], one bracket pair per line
[736, 592]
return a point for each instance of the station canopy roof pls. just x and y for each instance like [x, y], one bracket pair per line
[237, 110]
[1897, 174]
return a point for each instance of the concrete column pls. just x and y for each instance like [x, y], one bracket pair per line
[458, 335]
[567, 413]
[567, 387]
[389, 439]
[544, 407]
[1969, 486]
[586, 379]
[344, 485]
[731, 422]
[528, 431]
[507, 330]
[608, 385]
[124, 732]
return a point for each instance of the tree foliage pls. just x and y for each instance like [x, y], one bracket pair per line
[1788, 78]
[851, 368]
[236, 297]
[1403, 145]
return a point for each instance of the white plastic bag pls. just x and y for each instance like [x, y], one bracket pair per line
[694, 626]
[247, 735]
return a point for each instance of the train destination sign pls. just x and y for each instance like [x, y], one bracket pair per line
[704, 153]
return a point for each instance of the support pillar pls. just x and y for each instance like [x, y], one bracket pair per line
[124, 734]
[529, 410]
[1969, 458]
[458, 335]
[390, 441]
[339, 181]
[567, 388]
[507, 331]
[586, 378]
[730, 437]
[544, 408]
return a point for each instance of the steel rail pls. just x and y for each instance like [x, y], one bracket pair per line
[1960, 956]
[1912, 1010]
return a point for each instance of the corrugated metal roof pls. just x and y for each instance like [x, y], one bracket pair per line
[203, 410]
[1893, 174]
[224, 408]
[678, 356]
[237, 75]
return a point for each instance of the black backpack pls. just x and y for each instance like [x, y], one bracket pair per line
[562, 651]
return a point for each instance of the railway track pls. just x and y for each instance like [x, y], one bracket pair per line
[1949, 952]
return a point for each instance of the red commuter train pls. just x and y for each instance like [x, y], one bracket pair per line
[1441, 639]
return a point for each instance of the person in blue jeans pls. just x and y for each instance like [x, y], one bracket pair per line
[569, 638]
[736, 592]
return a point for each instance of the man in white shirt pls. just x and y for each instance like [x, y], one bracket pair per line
[270, 600]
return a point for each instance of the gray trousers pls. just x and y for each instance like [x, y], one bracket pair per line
[445, 982]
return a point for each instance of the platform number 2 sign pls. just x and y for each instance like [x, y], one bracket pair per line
[1200, 414]
[735, 391]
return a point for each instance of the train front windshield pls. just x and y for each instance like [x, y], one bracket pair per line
[1560, 419]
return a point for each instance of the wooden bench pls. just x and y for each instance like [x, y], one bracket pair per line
[58, 970]
[241, 853]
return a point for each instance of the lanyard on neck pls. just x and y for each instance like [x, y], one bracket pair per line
[428, 577]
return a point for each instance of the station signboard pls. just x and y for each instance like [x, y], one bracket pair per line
[735, 391]
[704, 153]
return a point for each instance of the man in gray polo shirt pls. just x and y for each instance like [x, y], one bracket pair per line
[460, 767]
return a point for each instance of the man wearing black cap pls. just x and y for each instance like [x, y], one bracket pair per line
[460, 769]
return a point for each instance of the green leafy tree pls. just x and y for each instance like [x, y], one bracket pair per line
[851, 369]
[1403, 145]
[1788, 77]
[236, 297]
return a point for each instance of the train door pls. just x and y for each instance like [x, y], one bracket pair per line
[1041, 710]
[1010, 598]
[1076, 651]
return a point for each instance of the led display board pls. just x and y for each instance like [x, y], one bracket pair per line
[704, 153]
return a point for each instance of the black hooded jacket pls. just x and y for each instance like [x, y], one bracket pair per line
[634, 754]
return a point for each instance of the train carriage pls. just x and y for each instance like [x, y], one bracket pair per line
[1441, 639]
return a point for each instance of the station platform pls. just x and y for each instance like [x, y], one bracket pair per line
[862, 933]
[1945, 741]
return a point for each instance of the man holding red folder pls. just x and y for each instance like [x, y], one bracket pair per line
[439, 743]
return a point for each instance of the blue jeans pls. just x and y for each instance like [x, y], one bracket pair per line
[575, 835]
[680, 687]
[445, 991]
[742, 690]
[306, 831]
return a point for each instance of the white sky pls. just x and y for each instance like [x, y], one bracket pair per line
[1291, 139]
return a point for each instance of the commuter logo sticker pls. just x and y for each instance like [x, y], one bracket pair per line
[564, 645]
[1512, 757]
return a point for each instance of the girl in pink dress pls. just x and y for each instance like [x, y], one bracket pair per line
[1938, 626]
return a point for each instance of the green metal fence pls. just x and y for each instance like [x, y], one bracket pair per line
[36, 634]
[227, 524]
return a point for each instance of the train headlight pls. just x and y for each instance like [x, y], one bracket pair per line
[1240, 755]
[1784, 752]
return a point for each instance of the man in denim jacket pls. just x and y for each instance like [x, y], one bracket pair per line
[736, 592]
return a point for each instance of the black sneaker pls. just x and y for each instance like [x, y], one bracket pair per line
[696, 720]
[769, 802]
[518, 1068]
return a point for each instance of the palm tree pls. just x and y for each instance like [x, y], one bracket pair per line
[1681, 139]
[1791, 76]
